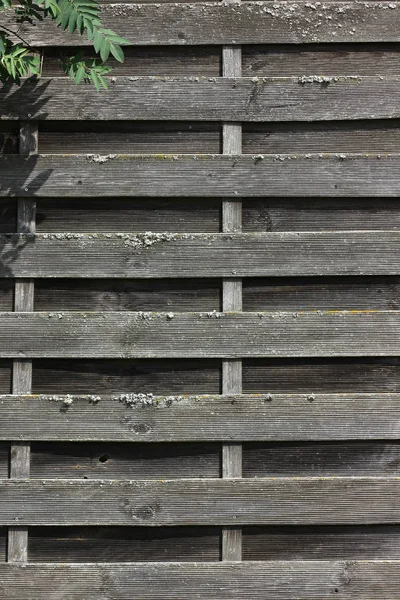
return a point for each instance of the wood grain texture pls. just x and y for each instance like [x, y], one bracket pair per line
[115, 215]
[324, 293]
[321, 214]
[231, 542]
[195, 61]
[208, 255]
[8, 216]
[3, 544]
[199, 335]
[153, 503]
[22, 369]
[4, 464]
[124, 461]
[270, 417]
[224, 23]
[5, 376]
[326, 136]
[118, 295]
[123, 544]
[322, 375]
[200, 176]
[134, 137]
[328, 458]
[324, 59]
[346, 542]
[210, 99]
[300, 580]
[99, 376]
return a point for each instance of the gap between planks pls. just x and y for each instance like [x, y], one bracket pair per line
[17, 546]
[231, 300]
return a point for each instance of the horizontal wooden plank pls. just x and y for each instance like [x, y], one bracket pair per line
[134, 137]
[199, 335]
[195, 61]
[152, 503]
[5, 376]
[200, 175]
[321, 214]
[156, 215]
[297, 293]
[324, 293]
[4, 464]
[377, 136]
[282, 580]
[346, 542]
[139, 544]
[309, 59]
[222, 23]
[327, 458]
[104, 460]
[143, 294]
[102, 376]
[321, 375]
[68, 255]
[8, 216]
[123, 544]
[138, 137]
[211, 99]
[144, 417]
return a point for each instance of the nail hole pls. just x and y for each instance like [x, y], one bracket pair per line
[104, 458]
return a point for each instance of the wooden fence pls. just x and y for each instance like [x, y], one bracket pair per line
[200, 296]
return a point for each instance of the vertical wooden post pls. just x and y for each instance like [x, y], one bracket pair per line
[22, 368]
[232, 301]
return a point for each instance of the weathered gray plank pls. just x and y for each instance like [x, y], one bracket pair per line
[323, 214]
[8, 216]
[301, 580]
[321, 375]
[5, 376]
[8, 138]
[124, 461]
[199, 335]
[3, 544]
[144, 417]
[140, 294]
[164, 376]
[377, 136]
[223, 23]
[200, 61]
[211, 99]
[231, 543]
[322, 59]
[340, 293]
[203, 255]
[152, 503]
[200, 175]
[347, 542]
[123, 544]
[115, 215]
[22, 368]
[134, 137]
[283, 580]
[4, 466]
[338, 458]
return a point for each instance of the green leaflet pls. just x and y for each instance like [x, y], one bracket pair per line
[82, 16]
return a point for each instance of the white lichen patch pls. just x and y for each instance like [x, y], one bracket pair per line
[145, 240]
[213, 314]
[100, 159]
[143, 400]
[68, 400]
[323, 79]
